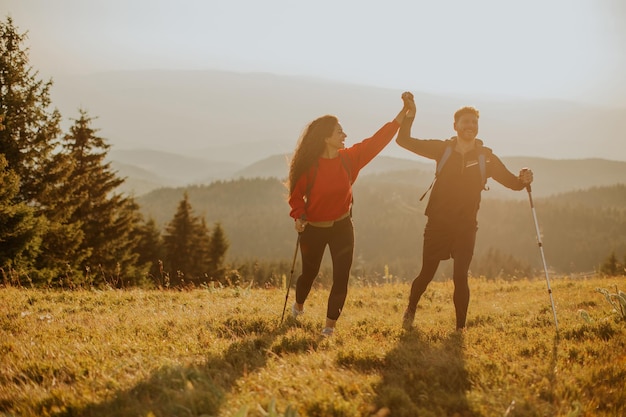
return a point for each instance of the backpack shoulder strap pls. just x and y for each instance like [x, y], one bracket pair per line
[440, 163]
[482, 165]
[346, 166]
[444, 158]
[483, 153]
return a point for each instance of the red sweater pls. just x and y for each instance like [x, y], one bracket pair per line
[331, 193]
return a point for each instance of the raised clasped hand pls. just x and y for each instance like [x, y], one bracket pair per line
[409, 101]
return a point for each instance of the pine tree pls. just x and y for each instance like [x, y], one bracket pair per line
[180, 243]
[18, 226]
[202, 252]
[189, 254]
[32, 130]
[62, 254]
[611, 266]
[150, 249]
[219, 247]
[28, 137]
[108, 219]
[84, 225]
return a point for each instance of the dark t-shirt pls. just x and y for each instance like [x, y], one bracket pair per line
[455, 196]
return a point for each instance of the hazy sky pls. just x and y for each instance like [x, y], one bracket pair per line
[570, 49]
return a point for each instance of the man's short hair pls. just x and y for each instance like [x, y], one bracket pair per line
[465, 110]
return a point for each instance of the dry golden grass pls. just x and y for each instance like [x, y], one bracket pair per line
[224, 352]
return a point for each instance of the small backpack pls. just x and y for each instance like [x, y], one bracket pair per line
[482, 165]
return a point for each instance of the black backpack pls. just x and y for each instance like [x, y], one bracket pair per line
[482, 165]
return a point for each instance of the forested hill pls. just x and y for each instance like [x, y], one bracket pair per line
[580, 229]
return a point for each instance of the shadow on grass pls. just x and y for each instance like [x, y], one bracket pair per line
[425, 375]
[200, 389]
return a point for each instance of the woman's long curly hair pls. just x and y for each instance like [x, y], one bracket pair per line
[310, 147]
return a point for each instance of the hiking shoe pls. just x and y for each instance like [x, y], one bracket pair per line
[407, 319]
[295, 312]
[328, 331]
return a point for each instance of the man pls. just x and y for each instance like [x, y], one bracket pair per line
[452, 208]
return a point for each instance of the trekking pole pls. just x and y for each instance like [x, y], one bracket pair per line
[293, 266]
[543, 258]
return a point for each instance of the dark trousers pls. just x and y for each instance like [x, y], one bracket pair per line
[442, 241]
[340, 240]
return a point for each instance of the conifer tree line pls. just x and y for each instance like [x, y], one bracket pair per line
[613, 267]
[62, 221]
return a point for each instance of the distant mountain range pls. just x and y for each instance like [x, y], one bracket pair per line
[147, 170]
[242, 118]
[175, 128]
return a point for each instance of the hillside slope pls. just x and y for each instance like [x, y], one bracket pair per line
[578, 232]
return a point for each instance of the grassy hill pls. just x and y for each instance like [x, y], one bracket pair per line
[224, 352]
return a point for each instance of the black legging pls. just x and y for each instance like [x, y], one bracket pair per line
[462, 253]
[313, 241]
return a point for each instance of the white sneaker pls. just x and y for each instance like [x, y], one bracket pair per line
[295, 312]
[328, 331]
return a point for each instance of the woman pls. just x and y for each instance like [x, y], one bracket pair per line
[321, 175]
